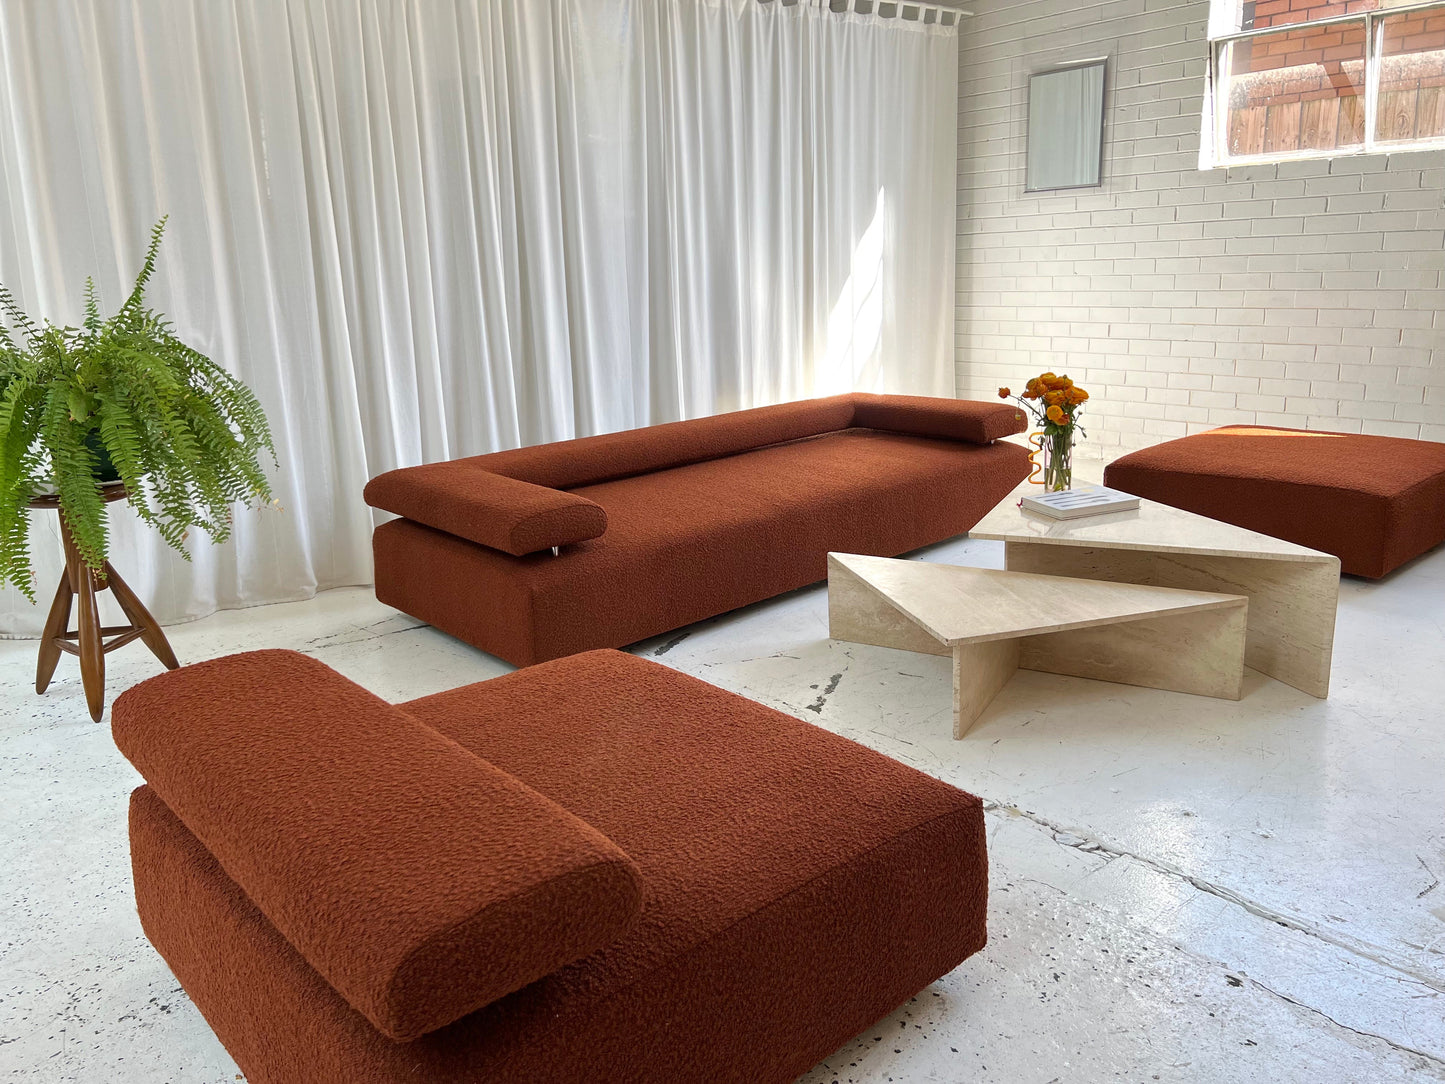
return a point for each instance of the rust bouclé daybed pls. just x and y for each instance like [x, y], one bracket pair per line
[595, 869]
[656, 528]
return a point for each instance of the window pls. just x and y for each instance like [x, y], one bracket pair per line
[1318, 78]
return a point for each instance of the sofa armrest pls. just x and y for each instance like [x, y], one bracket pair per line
[948, 419]
[419, 880]
[468, 501]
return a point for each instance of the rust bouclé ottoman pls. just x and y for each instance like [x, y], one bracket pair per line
[595, 869]
[1373, 502]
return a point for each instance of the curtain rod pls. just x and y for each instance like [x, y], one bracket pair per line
[920, 5]
[940, 8]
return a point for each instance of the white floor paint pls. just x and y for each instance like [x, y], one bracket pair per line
[1184, 889]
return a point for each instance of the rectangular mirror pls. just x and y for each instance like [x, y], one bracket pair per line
[1066, 127]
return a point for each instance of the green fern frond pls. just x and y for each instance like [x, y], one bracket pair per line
[17, 316]
[92, 306]
[135, 303]
[73, 469]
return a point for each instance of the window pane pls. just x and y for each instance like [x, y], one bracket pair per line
[1299, 90]
[1412, 78]
[1229, 16]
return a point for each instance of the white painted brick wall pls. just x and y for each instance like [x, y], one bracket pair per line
[1306, 294]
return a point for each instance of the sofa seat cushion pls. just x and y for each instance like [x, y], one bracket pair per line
[420, 880]
[1373, 502]
[699, 540]
[799, 886]
[725, 805]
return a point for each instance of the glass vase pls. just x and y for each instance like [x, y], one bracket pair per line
[1059, 461]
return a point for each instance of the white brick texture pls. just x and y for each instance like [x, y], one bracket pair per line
[1307, 294]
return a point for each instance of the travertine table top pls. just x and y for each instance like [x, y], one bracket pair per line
[961, 605]
[1153, 526]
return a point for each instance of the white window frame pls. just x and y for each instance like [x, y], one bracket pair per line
[1217, 100]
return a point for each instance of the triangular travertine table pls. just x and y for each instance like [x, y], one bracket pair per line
[1293, 591]
[993, 623]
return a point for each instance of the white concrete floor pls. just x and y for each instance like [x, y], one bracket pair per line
[1184, 889]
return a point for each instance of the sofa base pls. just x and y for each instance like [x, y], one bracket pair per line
[284, 1025]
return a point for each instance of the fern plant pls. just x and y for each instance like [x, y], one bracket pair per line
[183, 434]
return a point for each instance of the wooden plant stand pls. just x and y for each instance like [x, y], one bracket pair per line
[89, 640]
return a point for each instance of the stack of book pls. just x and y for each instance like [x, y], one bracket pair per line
[1076, 503]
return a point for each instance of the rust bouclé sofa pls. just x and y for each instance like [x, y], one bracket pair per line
[656, 528]
[595, 869]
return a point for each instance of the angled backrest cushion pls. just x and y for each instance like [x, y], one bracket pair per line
[947, 419]
[591, 460]
[419, 880]
[463, 498]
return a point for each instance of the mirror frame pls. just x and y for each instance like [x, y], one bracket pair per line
[1100, 63]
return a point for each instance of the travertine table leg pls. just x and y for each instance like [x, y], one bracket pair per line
[860, 615]
[1200, 653]
[1292, 604]
[980, 671]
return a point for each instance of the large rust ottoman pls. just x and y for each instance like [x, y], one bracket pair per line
[595, 869]
[1373, 502]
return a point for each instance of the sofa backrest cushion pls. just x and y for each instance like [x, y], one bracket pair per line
[465, 499]
[945, 419]
[419, 880]
[590, 460]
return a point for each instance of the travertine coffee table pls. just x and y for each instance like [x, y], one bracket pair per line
[1293, 591]
[993, 623]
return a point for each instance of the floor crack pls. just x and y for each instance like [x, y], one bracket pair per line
[1434, 883]
[341, 639]
[1076, 839]
[1401, 1047]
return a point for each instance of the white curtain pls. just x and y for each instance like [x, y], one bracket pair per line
[422, 229]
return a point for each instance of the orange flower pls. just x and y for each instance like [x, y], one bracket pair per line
[1056, 415]
[1004, 393]
[1061, 383]
[1047, 379]
[1078, 395]
[1032, 390]
[1056, 398]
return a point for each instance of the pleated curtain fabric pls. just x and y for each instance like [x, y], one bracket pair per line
[422, 229]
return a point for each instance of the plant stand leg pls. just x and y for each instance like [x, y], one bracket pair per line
[56, 626]
[90, 642]
[140, 618]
